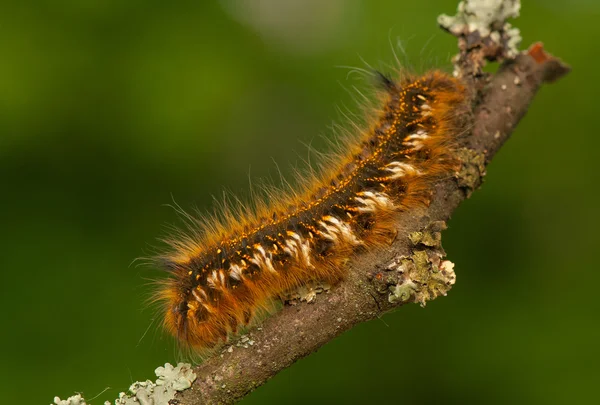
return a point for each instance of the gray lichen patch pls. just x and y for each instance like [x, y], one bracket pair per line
[169, 381]
[243, 341]
[74, 400]
[307, 293]
[487, 18]
[423, 277]
[484, 16]
[431, 236]
[484, 35]
[438, 281]
[402, 292]
[472, 170]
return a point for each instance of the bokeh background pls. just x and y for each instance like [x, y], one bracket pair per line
[109, 110]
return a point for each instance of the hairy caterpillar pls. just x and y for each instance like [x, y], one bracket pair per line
[225, 269]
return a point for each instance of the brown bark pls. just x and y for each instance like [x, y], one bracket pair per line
[376, 279]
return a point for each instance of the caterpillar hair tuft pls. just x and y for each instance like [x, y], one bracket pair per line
[225, 268]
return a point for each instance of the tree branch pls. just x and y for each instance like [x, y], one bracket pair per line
[411, 269]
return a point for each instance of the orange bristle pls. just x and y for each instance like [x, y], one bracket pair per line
[225, 270]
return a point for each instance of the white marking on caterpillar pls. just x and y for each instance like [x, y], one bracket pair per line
[416, 145]
[415, 140]
[262, 259]
[202, 299]
[337, 231]
[227, 295]
[373, 201]
[236, 272]
[298, 248]
[196, 296]
[425, 110]
[216, 279]
[210, 280]
[419, 135]
[400, 169]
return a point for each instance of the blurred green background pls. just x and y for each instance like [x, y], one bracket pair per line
[110, 108]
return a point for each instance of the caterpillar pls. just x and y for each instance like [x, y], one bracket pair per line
[223, 270]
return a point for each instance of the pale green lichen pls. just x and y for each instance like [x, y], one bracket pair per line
[74, 400]
[424, 238]
[472, 170]
[402, 292]
[438, 282]
[245, 341]
[423, 277]
[307, 293]
[430, 237]
[488, 18]
[170, 380]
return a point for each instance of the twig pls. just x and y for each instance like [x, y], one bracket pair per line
[411, 269]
